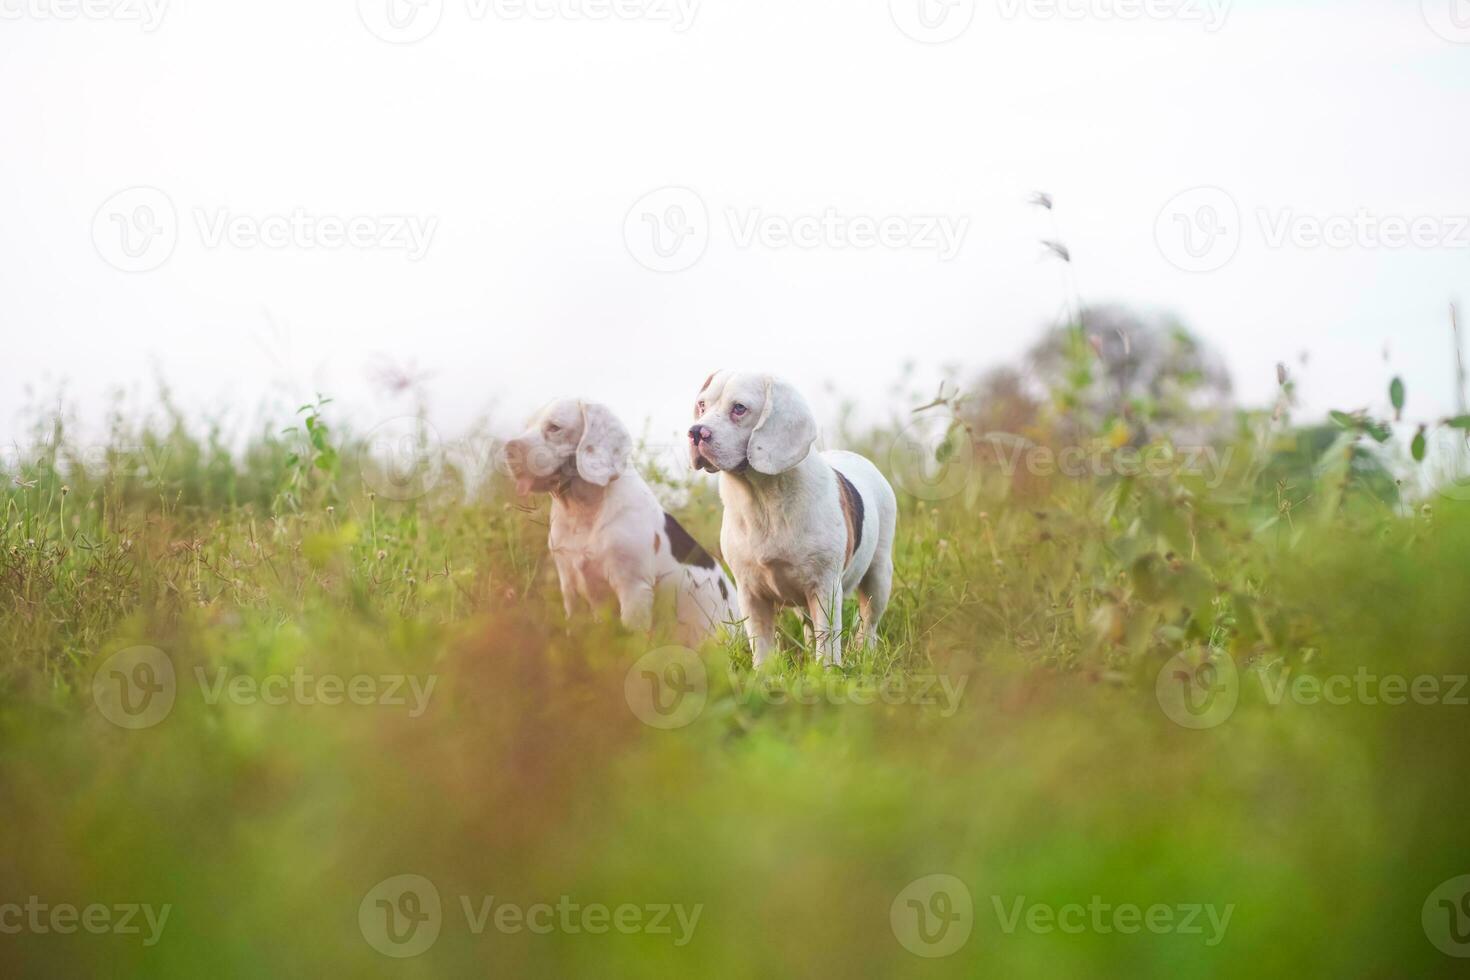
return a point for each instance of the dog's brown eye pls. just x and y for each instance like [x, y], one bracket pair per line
[737, 410]
[699, 408]
[552, 429]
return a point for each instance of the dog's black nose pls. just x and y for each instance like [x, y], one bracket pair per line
[699, 433]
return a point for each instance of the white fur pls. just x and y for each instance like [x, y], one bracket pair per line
[784, 533]
[608, 536]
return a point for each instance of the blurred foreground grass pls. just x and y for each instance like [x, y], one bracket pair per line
[1052, 767]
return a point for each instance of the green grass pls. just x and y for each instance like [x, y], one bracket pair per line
[1052, 605]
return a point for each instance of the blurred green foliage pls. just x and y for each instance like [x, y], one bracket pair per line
[1053, 602]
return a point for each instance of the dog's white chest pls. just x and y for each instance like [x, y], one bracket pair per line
[572, 550]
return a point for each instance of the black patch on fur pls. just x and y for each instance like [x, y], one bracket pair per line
[686, 550]
[855, 506]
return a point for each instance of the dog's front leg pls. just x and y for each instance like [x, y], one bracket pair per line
[568, 582]
[760, 626]
[635, 591]
[825, 606]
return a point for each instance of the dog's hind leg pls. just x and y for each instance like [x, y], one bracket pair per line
[873, 594]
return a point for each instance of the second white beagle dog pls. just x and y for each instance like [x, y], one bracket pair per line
[801, 528]
[610, 537]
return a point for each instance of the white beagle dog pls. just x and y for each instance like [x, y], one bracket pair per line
[801, 528]
[610, 537]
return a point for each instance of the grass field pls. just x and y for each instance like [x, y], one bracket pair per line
[1157, 724]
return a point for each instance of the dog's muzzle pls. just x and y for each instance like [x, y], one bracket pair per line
[699, 442]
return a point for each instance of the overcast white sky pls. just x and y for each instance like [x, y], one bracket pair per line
[523, 143]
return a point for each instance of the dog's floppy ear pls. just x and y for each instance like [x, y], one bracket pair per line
[785, 433]
[602, 455]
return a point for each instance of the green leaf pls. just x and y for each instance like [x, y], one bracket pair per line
[1396, 394]
[1361, 423]
[1459, 422]
[1419, 446]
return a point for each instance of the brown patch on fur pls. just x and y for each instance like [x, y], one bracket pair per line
[852, 514]
[696, 406]
[658, 544]
[686, 550]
